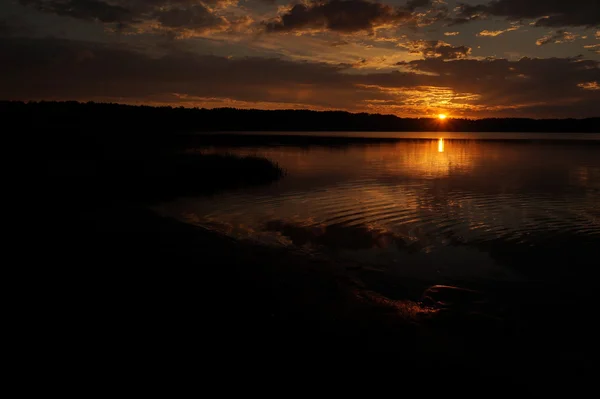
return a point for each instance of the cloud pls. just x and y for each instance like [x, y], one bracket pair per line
[594, 48]
[62, 69]
[99, 10]
[346, 16]
[494, 33]
[178, 17]
[557, 37]
[36, 69]
[530, 86]
[589, 86]
[451, 33]
[351, 16]
[339, 43]
[548, 13]
[375, 63]
[438, 11]
[437, 49]
[182, 18]
[414, 4]
[196, 17]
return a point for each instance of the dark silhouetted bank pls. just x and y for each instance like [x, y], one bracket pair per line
[110, 118]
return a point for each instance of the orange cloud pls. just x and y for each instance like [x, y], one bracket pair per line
[558, 37]
[494, 33]
[589, 86]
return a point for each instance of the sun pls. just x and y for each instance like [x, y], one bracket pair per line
[442, 116]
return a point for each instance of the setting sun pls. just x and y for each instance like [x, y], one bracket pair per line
[442, 116]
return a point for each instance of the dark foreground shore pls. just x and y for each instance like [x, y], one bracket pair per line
[128, 284]
[134, 280]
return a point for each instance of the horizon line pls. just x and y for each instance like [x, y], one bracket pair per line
[448, 118]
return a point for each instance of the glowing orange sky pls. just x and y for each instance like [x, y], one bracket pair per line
[468, 58]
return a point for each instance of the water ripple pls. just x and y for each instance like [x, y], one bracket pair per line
[408, 195]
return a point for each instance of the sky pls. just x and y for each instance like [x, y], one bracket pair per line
[411, 58]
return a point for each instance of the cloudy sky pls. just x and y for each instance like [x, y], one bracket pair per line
[466, 58]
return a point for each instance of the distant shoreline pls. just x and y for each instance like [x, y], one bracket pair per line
[396, 136]
[145, 120]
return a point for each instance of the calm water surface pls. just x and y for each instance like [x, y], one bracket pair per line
[436, 208]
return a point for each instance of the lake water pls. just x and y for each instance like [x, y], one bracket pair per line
[438, 206]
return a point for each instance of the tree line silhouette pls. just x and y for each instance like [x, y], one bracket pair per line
[110, 118]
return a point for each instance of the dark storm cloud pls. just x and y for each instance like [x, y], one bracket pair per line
[549, 13]
[437, 49]
[60, 69]
[169, 14]
[345, 16]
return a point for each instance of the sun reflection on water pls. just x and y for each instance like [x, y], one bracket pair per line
[441, 204]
